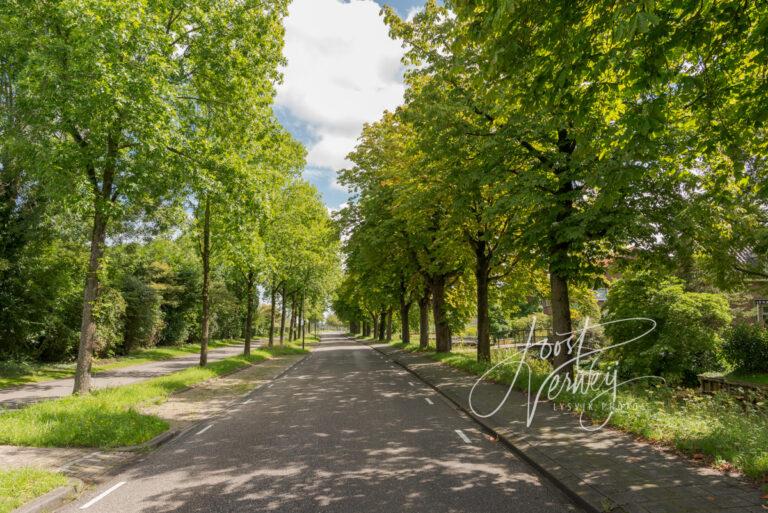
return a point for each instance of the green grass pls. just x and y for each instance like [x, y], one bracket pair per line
[19, 486]
[20, 373]
[110, 417]
[729, 432]
[757, 379]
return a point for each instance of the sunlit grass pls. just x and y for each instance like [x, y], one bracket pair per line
[19, 486]
[14, 373]
[109, 417]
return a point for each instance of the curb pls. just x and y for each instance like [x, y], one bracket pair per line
[154, 443]
[53, 499]
[604, 506]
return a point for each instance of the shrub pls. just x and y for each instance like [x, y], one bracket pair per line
[143, 320]
[109, 314]
[746, 347]
[688, 336]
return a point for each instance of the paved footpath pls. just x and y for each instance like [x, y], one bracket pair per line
[608, 469]
[182, 410]
[346, 431]
[33, 392]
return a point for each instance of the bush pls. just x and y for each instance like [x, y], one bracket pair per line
[143, 320]
[688, 336]
[180, 308]
[746, 347]
[109, 314]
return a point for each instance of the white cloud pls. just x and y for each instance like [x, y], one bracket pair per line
[413, 11]
[343, 70]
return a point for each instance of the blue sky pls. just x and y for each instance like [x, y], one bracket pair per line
[343, 71]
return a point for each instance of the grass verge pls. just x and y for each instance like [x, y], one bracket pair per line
[20, 373]
[730, 433]
[109, 417]
[19, 486]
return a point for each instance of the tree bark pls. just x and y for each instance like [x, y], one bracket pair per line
[206, 253]
[250, 278]
[282, 315]
[405, 333]
[91, 292]
[482, 272]
[442, 329]
[424, 319]
[389, 325]
[382, 325]
[559, 253]
[272, 317]
[301, 320]
[561, 319]
[375, 325]
[292, 323]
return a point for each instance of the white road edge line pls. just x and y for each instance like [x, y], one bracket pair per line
[428, 400]
[101, 495]
[206, 428]
[463, 436]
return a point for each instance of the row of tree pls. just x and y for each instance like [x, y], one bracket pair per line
[127, 121]
[550, 139]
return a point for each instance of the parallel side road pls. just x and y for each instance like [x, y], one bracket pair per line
[346, 430]
[34, 392]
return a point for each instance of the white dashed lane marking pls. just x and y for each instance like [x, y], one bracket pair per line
[463, 436]
[206, 428]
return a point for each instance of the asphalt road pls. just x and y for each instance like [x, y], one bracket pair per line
[346, 430]
[33, 392]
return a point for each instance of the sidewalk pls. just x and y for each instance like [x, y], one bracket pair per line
[607, 470]
[203, 401]
[34, 392]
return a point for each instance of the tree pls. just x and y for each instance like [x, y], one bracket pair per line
[228, 89]
[94, 92]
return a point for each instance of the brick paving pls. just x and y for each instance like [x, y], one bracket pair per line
[205, 400]
[609, 470]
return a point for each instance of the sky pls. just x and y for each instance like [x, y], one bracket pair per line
[343, 71]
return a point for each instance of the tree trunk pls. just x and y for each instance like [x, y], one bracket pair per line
[375, 325]
[442, 329]
[424, 319]
[206, 283]
[482, 271]
[559, 252]
[405, 333]
[250, 278]
[91, 292]
[389, 325]
[296, 316]
[282, 315]
[272, 317]
[382, 325]
[561, 319]
[292, 323]
[301, 320]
